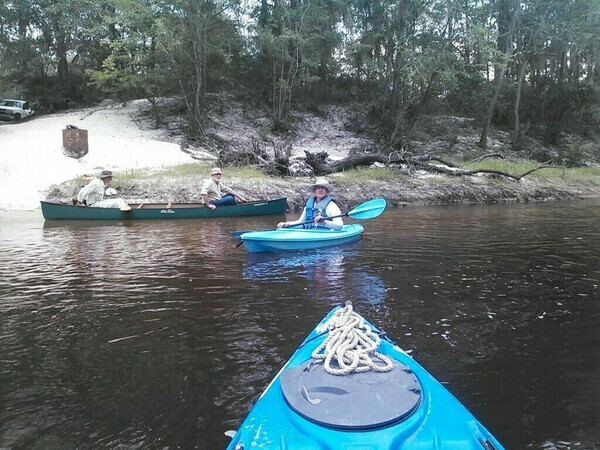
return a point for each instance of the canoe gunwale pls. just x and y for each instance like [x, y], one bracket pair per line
[162, 211]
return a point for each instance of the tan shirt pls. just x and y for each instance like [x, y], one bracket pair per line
[214, 189]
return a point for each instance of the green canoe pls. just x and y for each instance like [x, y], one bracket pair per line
[148, 211]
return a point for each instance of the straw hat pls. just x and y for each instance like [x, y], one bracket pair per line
[106, 174]
[215, 171]
[321, 182]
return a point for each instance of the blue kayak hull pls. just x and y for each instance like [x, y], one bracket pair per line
[439, 422]
[290, 239]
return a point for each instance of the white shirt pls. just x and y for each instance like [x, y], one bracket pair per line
[331, 210]
[92, 192]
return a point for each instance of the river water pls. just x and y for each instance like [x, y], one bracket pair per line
[161, 335]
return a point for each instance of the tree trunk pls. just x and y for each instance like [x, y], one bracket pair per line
[155, 113]
[517, 140]
[61, 55]
[500, 80]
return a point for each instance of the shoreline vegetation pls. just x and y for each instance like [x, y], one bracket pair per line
[182, 183]
[467, 173]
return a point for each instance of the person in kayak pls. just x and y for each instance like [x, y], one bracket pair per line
[92, 194]
[320, 209]
[213, 189]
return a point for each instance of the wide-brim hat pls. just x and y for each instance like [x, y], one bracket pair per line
[106, 174]
[321, 182]
[215, 171]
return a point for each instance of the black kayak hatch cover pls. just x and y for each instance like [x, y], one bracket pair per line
[354, 401]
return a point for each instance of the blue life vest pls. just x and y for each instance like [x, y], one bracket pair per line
[313, 210]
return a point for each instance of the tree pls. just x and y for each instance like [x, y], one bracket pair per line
[135, 67]
[296, 43]
[200, 41]
[505, 41]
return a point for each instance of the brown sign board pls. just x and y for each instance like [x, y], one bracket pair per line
[75, 142]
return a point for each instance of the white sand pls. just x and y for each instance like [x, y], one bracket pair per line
[32, 158]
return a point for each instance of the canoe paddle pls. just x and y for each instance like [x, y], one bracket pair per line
[367, 210]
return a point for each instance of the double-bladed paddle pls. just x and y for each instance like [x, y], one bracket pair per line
[367, 210]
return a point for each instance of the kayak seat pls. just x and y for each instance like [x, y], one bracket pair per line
[355, 401]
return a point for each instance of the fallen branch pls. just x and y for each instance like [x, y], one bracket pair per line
[461, 172]
[489, 155]
[322, 166]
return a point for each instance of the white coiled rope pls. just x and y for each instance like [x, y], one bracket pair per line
[352, 344]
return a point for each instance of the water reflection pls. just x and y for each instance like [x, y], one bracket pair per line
[315, 265]
[335, 275]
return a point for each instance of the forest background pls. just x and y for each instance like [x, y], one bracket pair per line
[528, 67]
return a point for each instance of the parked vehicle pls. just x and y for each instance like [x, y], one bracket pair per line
[15, 109]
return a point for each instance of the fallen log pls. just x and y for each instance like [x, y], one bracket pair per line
[322, 166]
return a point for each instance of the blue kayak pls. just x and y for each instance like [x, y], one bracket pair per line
[299, 238]
[395, 404]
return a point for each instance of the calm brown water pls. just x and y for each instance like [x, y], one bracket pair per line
[161, 334]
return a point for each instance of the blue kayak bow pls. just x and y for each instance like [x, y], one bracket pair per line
[367, 210]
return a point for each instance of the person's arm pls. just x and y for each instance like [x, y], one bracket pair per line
[204, 191]
[206, 200]
[298, 221]
[83, 192]
[331, 211]
[88, 190]
[237, 195]
[204, 194]
[228, 190]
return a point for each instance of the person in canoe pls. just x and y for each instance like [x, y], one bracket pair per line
[214, 193]
[318, 208]
[93, 193]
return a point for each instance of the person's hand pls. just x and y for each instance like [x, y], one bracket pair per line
[211, 206]
[318, 219]
[281, 224]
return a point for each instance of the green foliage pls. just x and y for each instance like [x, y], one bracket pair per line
[580, 154]
[263, 132]
[405, 59]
